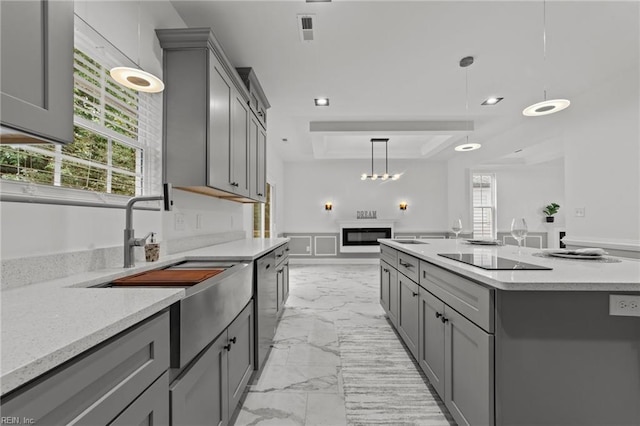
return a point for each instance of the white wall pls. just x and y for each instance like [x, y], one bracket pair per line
[601, 140]
[275, 177]
[38, 229]
[308, 185]
[525, 191]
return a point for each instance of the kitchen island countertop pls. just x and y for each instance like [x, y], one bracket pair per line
[48, 323]
[566, 274]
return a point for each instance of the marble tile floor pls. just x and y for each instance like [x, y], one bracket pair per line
[336, 360]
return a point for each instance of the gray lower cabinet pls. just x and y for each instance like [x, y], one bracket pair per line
[200, 396]
[280, 289]
[431, 339]
[408, 316]
[385, 277]
[468, 355]
[208, 392]
[394, 294]
[36, 70]
[97, 386]
[151, 408]
[240, 335]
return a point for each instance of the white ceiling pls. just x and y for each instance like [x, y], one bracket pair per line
[396, 63]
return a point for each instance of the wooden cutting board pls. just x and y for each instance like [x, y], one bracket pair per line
[168, 277]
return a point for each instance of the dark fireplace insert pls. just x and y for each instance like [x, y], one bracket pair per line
[364, 236]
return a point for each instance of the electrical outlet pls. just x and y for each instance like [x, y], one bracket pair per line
[178, 221]
[198, 221]
[625, 305]
[579, 211]
[308, 249]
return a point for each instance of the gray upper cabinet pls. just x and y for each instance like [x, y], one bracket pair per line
[258, 105]
[258, 160]
[240, 145]
[207, 125]
[36, 59]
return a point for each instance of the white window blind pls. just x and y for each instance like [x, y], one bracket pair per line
[483, 191]
[117, 135]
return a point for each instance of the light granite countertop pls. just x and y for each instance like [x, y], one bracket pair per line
[45, 324]
[566, 274]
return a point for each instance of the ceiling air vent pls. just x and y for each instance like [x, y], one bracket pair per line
[305, 27]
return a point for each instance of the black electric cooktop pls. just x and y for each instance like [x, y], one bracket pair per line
[493, 263]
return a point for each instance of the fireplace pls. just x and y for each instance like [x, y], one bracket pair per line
[361, 236]
[364, 236]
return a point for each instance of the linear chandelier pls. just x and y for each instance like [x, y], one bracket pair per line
[386, 175]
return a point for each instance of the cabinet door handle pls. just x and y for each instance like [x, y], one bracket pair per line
[287, 249]
[233, 340]
[438, 314]
[385, 269]
[414, 293]
[227, 347]
[443, 319]
[268, 266]
[279, 255]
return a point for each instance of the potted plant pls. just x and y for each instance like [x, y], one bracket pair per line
[550, 210]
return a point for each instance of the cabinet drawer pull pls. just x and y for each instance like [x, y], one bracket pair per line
[233, 340]
[443, 319]
[438, 314]
[385, 269]
[406, 265]
[414, 293]
[227, 347]
[287, 249]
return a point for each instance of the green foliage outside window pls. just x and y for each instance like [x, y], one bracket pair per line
[93, 161]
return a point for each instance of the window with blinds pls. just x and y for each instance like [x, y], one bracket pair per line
[483, 192]
[117, 133]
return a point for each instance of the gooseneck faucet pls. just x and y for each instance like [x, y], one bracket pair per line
[130, 241]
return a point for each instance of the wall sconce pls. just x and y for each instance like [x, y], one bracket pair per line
[328, 206]
[403, 205]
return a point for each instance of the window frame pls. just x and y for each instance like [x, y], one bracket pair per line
[148, 145]
[493, 234]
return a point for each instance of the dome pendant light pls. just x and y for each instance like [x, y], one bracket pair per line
[464, 63]
[550, 106]
[136, 79]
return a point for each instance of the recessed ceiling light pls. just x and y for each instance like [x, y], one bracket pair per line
[285, 140]
[546, 107]
[321, 101]
[136, 79]
[468, 147]
[491, 101]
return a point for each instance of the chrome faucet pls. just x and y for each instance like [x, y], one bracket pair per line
[130, 241]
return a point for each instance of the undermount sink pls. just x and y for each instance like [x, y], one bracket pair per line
[409, 242]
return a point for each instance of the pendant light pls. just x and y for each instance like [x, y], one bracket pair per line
[386, 175]
[550, 106]
[135, 78]
[464, 63]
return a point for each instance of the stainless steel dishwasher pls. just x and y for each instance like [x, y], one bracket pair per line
[266, 300]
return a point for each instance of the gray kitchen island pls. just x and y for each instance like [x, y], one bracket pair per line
[517, 346]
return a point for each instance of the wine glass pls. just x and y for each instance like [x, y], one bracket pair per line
[456, 227]
[519, 231]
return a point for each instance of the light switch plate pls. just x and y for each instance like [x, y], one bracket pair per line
[179, 222]
[579, 211]
[625, 305]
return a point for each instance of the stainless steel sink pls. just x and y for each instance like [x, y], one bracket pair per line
[409, 242]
